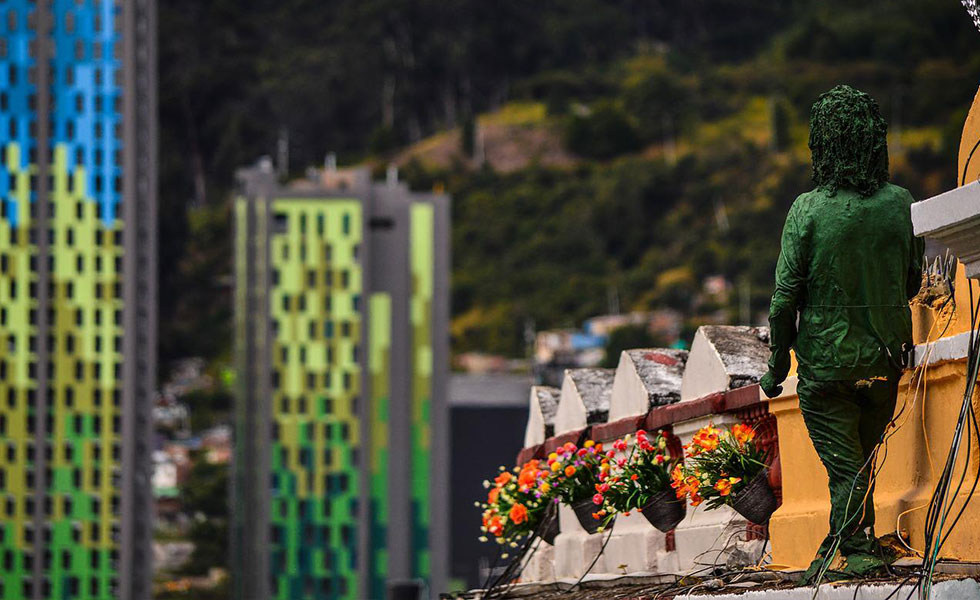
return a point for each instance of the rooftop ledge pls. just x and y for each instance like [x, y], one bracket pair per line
[953, 219]
[953, 581]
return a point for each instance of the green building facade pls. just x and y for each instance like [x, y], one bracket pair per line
[341, 321]
[77, 298]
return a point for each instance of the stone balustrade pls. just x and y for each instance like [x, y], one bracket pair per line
[647, 391]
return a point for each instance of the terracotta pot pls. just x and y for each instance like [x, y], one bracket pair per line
[583, 510]
[665, 511]
[756, 501]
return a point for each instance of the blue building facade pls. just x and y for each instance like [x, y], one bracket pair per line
[77, 297]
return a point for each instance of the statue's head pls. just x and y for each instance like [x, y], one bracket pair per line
[848, 142]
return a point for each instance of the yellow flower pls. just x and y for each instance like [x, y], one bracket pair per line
[553, 456]
[589, 444]
[545, 488]
[556, 466]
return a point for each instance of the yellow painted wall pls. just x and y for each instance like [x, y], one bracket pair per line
[907, 475]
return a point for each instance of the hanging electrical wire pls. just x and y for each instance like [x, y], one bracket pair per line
[944, 496]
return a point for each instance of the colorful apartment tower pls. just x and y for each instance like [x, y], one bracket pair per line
[77, 297]
[341, 453]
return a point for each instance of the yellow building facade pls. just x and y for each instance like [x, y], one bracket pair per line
[929, 402]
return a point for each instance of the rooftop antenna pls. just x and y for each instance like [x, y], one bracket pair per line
[282, 153]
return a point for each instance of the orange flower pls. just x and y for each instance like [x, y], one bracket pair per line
[503, 478]
[495, 526]
[743, 433]
[676, 477]
[724, 485]
[527, 477]
[492, 496]
[518, 514]
[705, 439]
[569, 471]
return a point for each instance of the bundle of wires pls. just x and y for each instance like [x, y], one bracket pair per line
[939, 524]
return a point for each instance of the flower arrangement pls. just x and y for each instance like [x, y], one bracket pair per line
[576, 472]
[718, 464]
[638, 478]
[579, 477]
[516, 503]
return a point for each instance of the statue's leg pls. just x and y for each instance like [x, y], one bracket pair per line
[832, 416]
[877, 403]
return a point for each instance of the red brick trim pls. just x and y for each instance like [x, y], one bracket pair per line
[576, 437]
[610, 431]
[530, 453]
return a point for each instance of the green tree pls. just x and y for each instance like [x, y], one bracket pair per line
[204, 495]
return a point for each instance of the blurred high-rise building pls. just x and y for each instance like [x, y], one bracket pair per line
[341, 459]
[77, 297]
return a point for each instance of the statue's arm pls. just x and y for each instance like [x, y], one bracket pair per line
[790, 281]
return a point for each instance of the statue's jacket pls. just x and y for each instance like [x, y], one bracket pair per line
[848, 265]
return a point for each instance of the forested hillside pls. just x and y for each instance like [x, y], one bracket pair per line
[594, 149]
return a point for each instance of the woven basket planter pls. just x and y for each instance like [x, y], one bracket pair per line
[665, 511]
[756, 502]
[583, 510]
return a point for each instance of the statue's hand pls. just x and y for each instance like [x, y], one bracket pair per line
[769, 386]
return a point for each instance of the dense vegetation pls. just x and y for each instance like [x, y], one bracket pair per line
[681, 126]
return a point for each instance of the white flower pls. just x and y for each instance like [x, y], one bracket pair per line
[483, 538]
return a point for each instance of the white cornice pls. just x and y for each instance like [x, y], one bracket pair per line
[953, 219]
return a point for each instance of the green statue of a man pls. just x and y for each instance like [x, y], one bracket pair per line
[848, 265]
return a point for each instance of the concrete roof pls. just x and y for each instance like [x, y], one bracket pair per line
[594, 386]
[743, 350]
[661, 371]
[489, 390]
[547, 398]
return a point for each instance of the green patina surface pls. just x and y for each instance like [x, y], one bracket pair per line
[422, 272]
[848, 265]
[315, 304]
[85, 343]
[848, 142]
